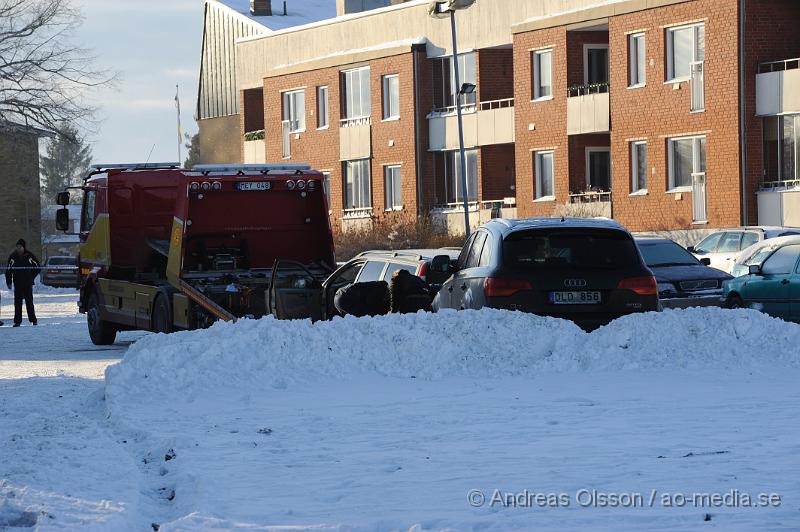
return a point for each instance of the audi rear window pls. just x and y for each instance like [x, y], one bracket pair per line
[581, 250]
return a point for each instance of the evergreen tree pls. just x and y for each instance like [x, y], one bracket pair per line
[192, 150]
[67, 160]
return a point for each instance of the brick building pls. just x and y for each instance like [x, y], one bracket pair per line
[20, 205]
[664, 114]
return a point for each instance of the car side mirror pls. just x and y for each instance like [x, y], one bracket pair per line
[755, 269]
[62, 219]
[62, 198]
[705, 262]
[691, 249]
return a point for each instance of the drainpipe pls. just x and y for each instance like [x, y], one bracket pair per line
[417, 144]
[743, 111]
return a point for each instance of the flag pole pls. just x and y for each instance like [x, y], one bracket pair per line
[180, 132]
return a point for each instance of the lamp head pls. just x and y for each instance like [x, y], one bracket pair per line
[443, 8]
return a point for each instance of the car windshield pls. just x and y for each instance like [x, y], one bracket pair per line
[551, 250]
[659, 254]
[760, 257]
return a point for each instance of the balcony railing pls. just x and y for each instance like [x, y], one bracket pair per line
[356, 121]
[455, 206]
[589, 88]
[698, 86]
[590, 196]
[360, 212]
[780, 185]
[779, 66]
[496, 104]
[286, 131]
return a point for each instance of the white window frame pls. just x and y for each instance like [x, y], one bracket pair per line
[345, 93]
[364, 193]
[291, 112]
[390, 98]
[326, 185]
[635, 190]
[396, 204]
[538, 171]
[597, 149]
[586, 48]
[633, 61]
[695, 161]
[536, 63]
[670, 42]
[323, 107]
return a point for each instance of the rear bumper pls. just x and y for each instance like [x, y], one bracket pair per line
[715, 300]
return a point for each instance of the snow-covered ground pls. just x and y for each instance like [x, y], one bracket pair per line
[407, 423]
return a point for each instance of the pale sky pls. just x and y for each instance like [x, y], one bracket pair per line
[153, 45]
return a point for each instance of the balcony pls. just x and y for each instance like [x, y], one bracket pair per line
[589, 204]
[588, 109]
[778, 88]
[355, 138]
[254, 148]
[485, 123]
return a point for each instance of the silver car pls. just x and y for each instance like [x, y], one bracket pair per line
[723, 246]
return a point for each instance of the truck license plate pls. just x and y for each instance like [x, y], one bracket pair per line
[254, 185]
[575, 298]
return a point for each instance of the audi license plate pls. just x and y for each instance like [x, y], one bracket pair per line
[254, 185]
[575, 298]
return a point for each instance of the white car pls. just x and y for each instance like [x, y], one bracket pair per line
[723, 246]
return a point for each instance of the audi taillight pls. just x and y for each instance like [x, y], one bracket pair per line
[493, 287]
[644, 286]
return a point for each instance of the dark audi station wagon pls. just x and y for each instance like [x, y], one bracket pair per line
[587, 271]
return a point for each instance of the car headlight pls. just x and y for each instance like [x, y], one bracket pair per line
[665, 287]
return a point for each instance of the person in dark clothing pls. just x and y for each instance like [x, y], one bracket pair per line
[363, 299]
[409, 293]
[21, 270]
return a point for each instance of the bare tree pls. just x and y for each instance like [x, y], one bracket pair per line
[43, 76]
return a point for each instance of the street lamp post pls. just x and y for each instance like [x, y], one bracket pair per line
[441, 10]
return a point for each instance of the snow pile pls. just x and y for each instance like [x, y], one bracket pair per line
[253, 355]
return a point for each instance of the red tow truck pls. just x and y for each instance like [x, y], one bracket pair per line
[165, 248]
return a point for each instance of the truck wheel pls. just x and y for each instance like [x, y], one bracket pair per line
[162, 316]
[101, 332]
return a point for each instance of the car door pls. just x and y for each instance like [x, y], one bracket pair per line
[770, 290]
[344, 276]
[794, 294]
[447, 297]
[729, 247]
[468, 290]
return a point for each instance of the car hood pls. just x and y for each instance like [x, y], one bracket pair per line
[688, 273]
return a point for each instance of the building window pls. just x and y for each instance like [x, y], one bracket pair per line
[294, 110]
[638, 60]
[595, 63]
[444, 81]
[638, 167]
[391, 97]
[357, 185]
[542, 74]
[544, 172]
[685, 45]
[356, 6]
[323, 115]
[326, 185]
[687, 158]
[782, 148]
[356, 94]
[392, 187]
[448, 176]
